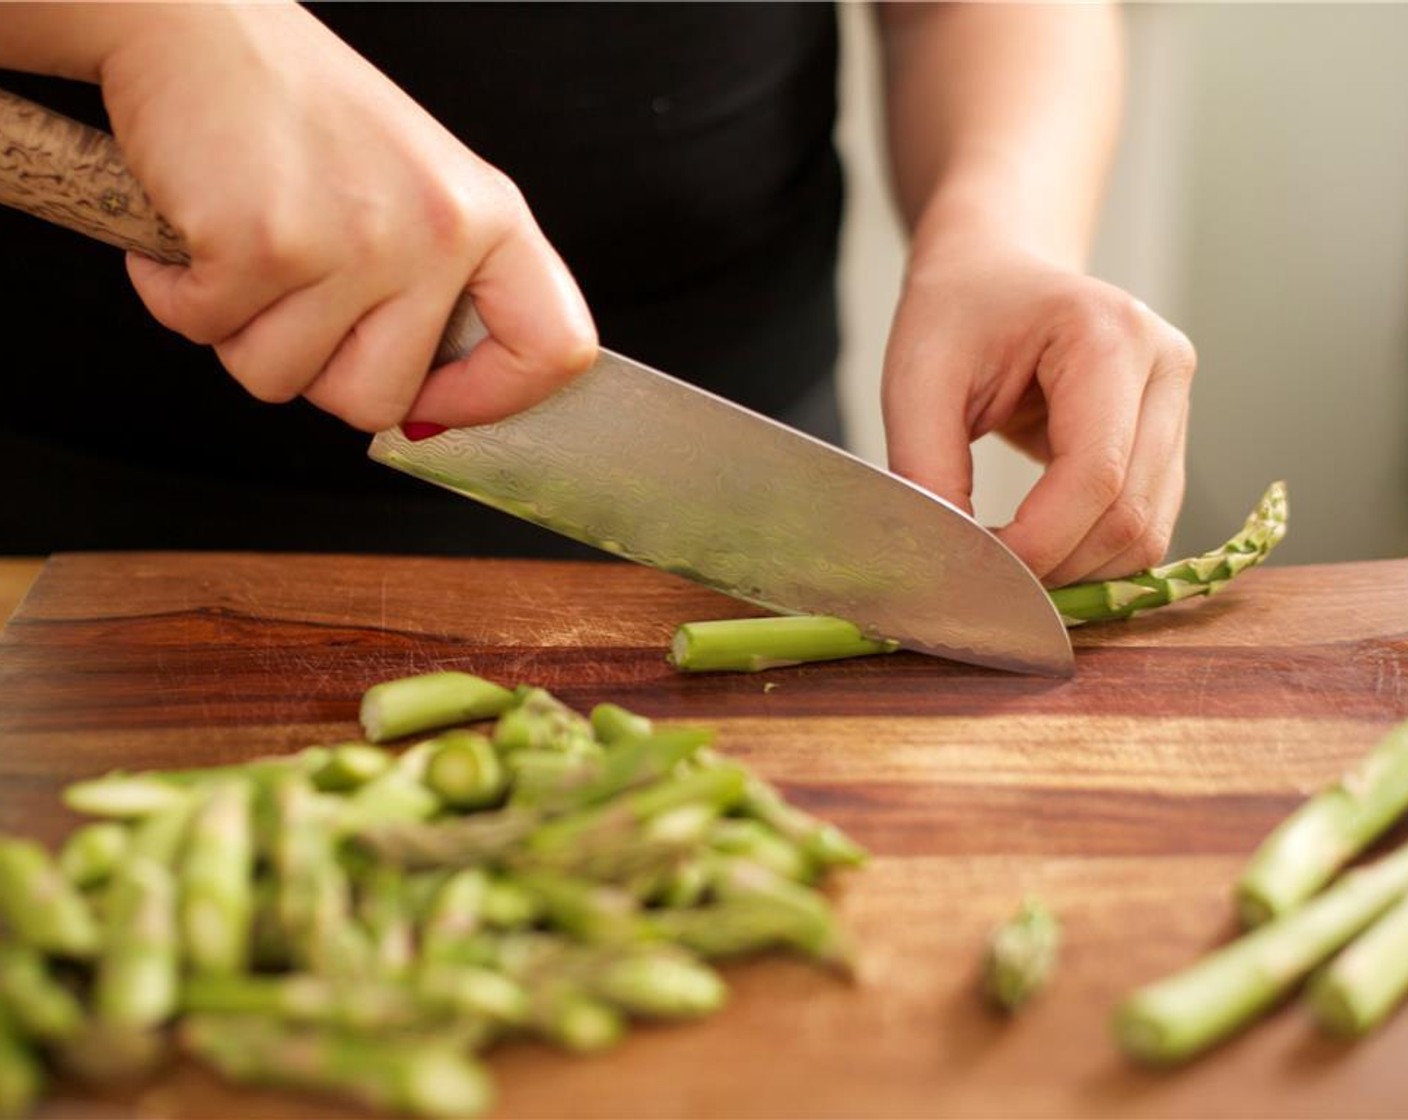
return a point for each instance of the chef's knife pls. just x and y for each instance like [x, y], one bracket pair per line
[648, 467]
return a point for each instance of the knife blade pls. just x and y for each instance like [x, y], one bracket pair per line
[648, 467]
[651, 468]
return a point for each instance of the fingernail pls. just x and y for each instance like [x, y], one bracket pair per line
[417, 430]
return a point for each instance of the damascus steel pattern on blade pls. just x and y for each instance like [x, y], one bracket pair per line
[650, 468]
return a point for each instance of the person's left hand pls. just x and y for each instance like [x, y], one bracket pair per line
[1069, 369]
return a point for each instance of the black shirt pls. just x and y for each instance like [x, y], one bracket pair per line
[680, 158]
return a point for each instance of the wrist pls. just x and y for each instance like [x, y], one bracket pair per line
[988, 205]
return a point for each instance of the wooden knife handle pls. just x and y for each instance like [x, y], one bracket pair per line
[65, 172]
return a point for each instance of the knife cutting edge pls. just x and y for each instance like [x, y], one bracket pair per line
[648, 467]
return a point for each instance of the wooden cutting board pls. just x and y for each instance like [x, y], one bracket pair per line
[1128, 798]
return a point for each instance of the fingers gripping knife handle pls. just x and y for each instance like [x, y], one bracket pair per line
[75, 176]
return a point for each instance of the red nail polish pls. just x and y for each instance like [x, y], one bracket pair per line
[417, 430]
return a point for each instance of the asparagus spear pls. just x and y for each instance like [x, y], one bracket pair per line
[1021, 956]
[754, 644]
[660, 983]
[91, 853]
[217, 880]
[1178, 1017]
[305, 997]
[138, 970]
[395, 709]
[21, 1074]
[1366, 981]
[420, 1076]
[39, 905]
[1115, 599]
[1306, 850]
[39, 1005]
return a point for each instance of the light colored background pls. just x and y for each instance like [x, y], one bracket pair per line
[1260, 202]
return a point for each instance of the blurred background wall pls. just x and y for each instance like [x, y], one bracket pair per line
[1260, 202]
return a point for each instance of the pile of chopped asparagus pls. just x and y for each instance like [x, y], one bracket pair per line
[1305, 913]
[751, 645]
[366, 923]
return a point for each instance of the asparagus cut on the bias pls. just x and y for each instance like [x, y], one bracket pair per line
[1184, 1014]
[411, 705]
[1361, 986]
[1022, 955]
[418, 1076]
[755, 644]
[361, 921]
[1307, 849]
[40, 906]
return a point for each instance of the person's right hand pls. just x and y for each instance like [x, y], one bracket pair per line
[332, 223]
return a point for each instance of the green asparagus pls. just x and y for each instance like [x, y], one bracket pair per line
[420, 1076]
[1359, 988]
[755, 644]
[137, 981]
[1184, 1014]
[465, 771]
[39, 1005]
[217, 880]
[1022, 955]
[348, 919]
[1309, 847]
[21, 1073]
[411, 705]
[40, 906]
[92, 852]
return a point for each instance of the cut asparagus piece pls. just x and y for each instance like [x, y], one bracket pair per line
[660, 983]
[137, 981]
[40, 906]
[1021, 956]
[350, 766]
[465, 771]
[1115, 599]
[613, 724]
[454, 843]
[91, 853]
[1184, 1014]
[124, 796]
[805, 919]
[1310, 846]
[39, 1005]
[540, 721]
[411, 705]
[752, 644]
[217, 880]
[305, 997]
[419, 1076]
[1359, 988]
[21, 1074]
[386, 913]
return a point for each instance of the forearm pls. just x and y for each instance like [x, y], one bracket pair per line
[1001, 118]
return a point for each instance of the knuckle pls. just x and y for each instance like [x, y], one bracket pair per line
[259, 379]
[1105, 476]
[1127, 525]
[1181, 360]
